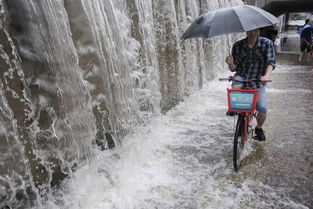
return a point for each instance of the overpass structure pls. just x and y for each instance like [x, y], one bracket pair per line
[280, 7]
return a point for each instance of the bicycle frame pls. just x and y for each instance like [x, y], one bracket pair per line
[248, 117]
[242, 101]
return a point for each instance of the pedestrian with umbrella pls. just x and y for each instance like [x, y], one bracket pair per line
[252, 57]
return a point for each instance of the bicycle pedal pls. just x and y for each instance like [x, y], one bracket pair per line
[228, 113]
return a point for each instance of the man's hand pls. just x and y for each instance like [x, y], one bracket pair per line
[230, 61]
[264, 79]
[268, 73]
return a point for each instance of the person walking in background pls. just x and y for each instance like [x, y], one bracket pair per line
[253, 58]
[306, 41]
[301, 27]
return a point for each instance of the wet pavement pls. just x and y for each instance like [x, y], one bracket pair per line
[278, 172]
[290, 132]
[285, 161]
[290, 42]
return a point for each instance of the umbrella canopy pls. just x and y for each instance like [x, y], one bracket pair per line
[229, 20]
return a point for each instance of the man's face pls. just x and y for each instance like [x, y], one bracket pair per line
[253, 33]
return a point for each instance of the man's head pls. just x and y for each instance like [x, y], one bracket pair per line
[253, 33]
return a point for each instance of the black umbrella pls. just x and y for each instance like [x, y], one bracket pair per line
[229, 20]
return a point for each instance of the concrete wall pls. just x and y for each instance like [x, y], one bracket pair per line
[258, 3]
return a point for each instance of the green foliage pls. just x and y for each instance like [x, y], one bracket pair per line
[297, 16]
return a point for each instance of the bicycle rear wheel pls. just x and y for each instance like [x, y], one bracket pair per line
[239, 141]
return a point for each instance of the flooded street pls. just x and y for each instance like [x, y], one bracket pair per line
[104, 105]
[290, 123]
[184, 159]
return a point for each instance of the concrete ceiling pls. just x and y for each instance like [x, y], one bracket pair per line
[279, 7]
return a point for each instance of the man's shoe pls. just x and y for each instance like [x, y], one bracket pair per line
[259, 134]
[228, 113]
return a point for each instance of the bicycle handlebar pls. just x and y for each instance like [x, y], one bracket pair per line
[244, 81]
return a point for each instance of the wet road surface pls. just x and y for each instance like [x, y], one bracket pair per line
[290, 125]
[183, 159]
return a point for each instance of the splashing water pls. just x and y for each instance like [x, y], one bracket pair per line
[178, 160]
[80, 75]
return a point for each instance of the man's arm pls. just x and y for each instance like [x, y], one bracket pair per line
[305, 34]
[268, 73]
[308, 43]
[270, 61]
[231, 60]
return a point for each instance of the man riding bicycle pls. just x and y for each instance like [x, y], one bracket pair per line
[253, 58]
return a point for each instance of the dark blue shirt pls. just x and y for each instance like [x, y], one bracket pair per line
[306, 33]
[251, 63]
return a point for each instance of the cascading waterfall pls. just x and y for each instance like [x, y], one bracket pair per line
[78, 75]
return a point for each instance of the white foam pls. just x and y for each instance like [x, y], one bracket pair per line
[285, 91]
[169, 163]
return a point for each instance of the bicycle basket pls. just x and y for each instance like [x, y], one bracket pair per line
[240, 100]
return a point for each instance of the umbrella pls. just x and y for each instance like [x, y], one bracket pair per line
[229, 20]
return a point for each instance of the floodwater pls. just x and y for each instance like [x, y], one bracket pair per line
[184, 159]
[291, 123]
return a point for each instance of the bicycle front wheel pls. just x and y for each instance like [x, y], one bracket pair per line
[239, 141]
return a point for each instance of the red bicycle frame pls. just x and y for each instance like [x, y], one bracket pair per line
[248, 119]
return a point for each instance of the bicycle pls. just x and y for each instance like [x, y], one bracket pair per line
[242, 102]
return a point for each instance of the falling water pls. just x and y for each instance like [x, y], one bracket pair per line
[78, 76]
